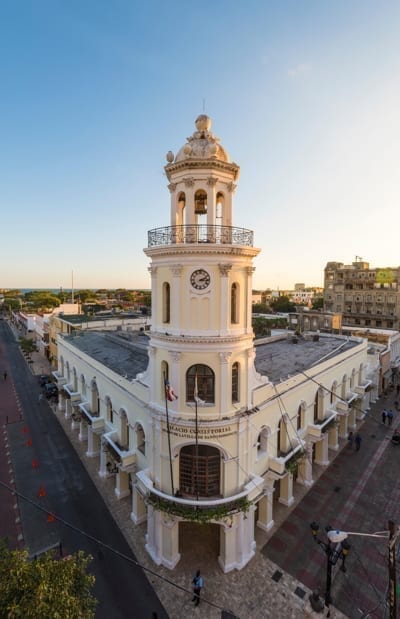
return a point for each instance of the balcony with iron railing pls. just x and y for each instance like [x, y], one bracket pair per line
[202, 509]
[200, 233]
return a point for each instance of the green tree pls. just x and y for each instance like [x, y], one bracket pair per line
[283, 304]
[261, 327]
[46, 587]
[318, 303]
[261, 308]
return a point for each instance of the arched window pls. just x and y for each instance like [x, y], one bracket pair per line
[319, 405]
[68, 372]
[202, 377]
[200, 202]
[109, 411]
[74, 380]
[352, 378]
[262, 441]
[200, 471]
[298, 418]
[235, 382]
[83, 385]
[333, 392]
[166, 302]
[140, 439]
[95, 399]
[124, 429]
[234, 304]
[62, 366]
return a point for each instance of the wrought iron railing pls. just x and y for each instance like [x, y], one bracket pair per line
[201, 233]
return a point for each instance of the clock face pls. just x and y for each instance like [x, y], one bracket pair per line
[200, 279]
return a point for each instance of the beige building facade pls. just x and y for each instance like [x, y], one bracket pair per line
[367, 297]
[194, 422]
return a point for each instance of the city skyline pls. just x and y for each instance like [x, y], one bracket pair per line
[303, 96]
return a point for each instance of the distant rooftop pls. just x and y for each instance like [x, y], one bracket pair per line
[126, 353]
[78, 319]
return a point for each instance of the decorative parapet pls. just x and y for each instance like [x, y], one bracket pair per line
[316, 430]
[202, 510]
[60, 379]
[123, 457]
[91, 419]
[278, 464]
[363, 389]
[200, 233]
[69, 392]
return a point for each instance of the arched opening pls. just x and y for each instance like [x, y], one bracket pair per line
[68, 372]
[234, 303]
[333, 392]
[262, 442]
[181, 208]
[200, 378]
[74, 380]
[94, 399]
[235, 382]
[124, 429]
[83, 385]
[200, 471]
[166, 302]
[109, 411]
[140, 439]
[200, 202]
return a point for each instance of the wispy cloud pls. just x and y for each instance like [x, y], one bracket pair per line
[303, 68]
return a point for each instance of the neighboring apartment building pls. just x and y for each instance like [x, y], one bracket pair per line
[366, 297]
[195, 423]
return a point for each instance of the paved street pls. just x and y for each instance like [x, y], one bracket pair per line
[44, 468]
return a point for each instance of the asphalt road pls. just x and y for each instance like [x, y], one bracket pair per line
[50, 475]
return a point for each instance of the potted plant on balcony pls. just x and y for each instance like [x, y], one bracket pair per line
[292, 464]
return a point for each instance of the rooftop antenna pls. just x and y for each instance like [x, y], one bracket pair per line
[358, 259]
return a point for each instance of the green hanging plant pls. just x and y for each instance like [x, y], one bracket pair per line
[292, 464]
[196, 514]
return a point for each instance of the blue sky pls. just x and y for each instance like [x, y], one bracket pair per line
[305, 96]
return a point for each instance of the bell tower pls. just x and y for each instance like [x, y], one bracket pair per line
[201, 372]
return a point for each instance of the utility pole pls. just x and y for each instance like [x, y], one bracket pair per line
[393, 535]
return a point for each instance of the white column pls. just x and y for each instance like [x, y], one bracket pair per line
[333, 435]
[162, 539]
[225, 297]
[321, 451]
[68, 408]
[122, 485]
[176, 298]
[93, 443]
[286, 490]
[138, 513]
[83, 430]
[103, 462]
[304, 475]
[343, 426]
[265, 507]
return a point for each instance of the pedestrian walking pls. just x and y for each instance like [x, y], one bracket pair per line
[384, 416]
[357, 441]
[389, 415]
[197, 586]
[350, 439]
[5, 375]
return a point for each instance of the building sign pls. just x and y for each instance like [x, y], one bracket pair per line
[202, 432]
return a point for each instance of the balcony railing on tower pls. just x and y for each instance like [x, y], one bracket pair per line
[200, 233]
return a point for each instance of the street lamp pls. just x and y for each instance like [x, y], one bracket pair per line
[337, 547]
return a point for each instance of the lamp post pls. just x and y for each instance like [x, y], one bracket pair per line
[335, 548]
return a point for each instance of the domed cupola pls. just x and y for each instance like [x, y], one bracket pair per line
[202, 144]
[201, 181]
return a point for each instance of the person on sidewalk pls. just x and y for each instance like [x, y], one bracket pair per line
[5, 375]
[197, 586]
[357, 441]
[350, 439]
[384, 416]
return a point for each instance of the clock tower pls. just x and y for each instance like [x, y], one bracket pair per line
[201, 349]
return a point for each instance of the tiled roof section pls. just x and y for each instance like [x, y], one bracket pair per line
[122, 352]
[280, 359]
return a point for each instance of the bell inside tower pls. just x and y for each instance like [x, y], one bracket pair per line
[200, 202]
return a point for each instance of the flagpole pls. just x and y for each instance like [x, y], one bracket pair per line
[197, 443]
[169, 435]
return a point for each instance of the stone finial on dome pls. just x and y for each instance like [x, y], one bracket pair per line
[169, 156]
[203, 123]
[202, 144]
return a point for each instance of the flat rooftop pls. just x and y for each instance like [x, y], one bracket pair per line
[283, 358]
[126, 352]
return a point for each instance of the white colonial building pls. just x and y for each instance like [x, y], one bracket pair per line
[242, 424]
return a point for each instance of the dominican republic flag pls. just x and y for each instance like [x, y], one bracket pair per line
[169, 392]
